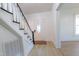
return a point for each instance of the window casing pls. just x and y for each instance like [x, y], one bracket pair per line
[77, 24]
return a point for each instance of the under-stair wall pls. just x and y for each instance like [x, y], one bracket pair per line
[10, 44]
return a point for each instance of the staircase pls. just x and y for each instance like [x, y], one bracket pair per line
[19, 24]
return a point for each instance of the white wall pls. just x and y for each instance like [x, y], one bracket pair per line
[67, 21]
[50, 24]
[46, 22]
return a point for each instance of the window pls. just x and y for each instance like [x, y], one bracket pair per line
[77, 25]
[38, 28]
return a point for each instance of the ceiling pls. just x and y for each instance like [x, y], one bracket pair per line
[29, 8]
[70, 5]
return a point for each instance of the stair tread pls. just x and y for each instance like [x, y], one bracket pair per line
[16, 22]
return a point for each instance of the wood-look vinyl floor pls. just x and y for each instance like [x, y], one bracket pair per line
[70, 48]
[45, 50]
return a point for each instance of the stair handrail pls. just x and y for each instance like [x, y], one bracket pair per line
[24, 17]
